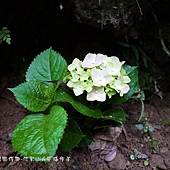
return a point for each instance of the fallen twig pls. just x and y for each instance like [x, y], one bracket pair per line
[124, 131]
[139, 7]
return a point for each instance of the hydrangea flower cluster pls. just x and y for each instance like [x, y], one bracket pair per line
[99, 76]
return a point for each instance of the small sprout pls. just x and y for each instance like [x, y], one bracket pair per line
[138, 155]
[132, 157]
[139, 126]
[167, 122]
[146, 162]
[135, 152]
[146, 127]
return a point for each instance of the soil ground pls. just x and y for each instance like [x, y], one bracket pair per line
[154, 146]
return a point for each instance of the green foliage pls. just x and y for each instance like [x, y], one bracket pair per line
[72, 136]
[34, 95]
[134, 55]
[47, 66]
[140, 58]
[117, 115]
[87, 139]
[63, 96]
[133, 156]
[39, 135]
[5, 35]
[146, 82]
[167, 122]
[146, 127]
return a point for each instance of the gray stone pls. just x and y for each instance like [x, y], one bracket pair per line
[158, 161]
[119, 163]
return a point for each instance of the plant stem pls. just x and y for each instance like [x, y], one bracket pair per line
[142, 111]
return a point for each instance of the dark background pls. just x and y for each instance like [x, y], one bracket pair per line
[37, 25]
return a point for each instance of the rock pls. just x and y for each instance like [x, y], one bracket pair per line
[97, 145]
[167, 161]
[158, 161]
[141, 155]
[164, 150]
[119, 163]
[109, 134]
[111, 155]
[119, 17]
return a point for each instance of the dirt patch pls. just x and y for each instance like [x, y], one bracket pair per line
[154, 147]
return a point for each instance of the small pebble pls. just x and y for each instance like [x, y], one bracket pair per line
[111, 155]
[10, 135]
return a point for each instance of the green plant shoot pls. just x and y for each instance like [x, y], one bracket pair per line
[5, 35]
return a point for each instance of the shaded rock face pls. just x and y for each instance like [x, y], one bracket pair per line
[119, 16]
[144, 23]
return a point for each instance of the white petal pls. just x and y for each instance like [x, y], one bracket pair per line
[76, 62]
[99, 59]
[100, 77]
[89, 61]
[125, 89]
[70, 84]
[97, 94]
[96, 77]
[90, 96]
[101, 97]
[78, 91]
[126, 79]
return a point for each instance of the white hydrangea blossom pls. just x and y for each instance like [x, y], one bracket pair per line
[99, 76]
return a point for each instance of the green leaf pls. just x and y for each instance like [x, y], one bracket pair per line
[5, 35]
[71, 137]
[139, 126]
[8, 40]
[38, 135]
[5, 29]
[34, 95]
[86, 140]
[146, 162]
[49, 65]
[1, 35]
[132, 72]
[63, 96]
[117, 115]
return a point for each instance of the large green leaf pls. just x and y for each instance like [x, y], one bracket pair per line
[38, 135]
[71, 137]
[34, 95]
[132, 72]
[49, 65]
[117, 115]
[111, 118]
[63, 96]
